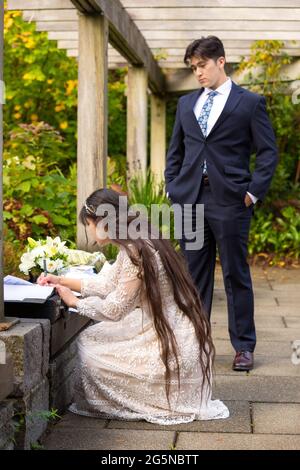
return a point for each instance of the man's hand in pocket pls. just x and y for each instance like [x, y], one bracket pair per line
[248, 201]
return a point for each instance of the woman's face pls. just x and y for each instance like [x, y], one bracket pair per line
[97, 232]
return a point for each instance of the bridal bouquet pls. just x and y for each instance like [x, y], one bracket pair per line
[51, 252]
[54, 254]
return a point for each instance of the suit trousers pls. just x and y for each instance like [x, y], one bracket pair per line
[226, 228]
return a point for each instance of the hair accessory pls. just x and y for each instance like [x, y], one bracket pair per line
[90, 209]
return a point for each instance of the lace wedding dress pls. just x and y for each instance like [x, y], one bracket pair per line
[120, 374]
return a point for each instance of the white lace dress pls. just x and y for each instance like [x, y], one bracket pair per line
[120, 374]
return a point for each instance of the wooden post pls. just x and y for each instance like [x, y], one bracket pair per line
[5, 322]
[158, 137]
[92, 110]
[137, 107]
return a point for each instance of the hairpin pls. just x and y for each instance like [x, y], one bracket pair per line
[90, 209]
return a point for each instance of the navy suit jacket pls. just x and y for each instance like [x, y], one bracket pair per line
[242, 128]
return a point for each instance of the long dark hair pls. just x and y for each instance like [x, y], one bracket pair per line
[185, 293]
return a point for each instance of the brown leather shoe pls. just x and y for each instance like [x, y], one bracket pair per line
[243, 360]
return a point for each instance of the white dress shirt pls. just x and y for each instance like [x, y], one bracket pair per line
[216, 109]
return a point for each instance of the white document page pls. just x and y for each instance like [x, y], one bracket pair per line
[18, 293]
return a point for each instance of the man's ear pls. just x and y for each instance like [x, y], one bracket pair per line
[222, 61]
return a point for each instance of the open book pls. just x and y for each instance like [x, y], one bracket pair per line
[19, 290]
[27, 293]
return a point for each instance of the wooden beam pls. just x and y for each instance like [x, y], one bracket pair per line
[182, 81]
[62, 4]
[137, 106]
[57, 25]
[185, 36]
[189, 36]
[289, 73]
[179, 52]
[73, 44]
[207, 13]
[174, 25]
[228, 43]
[207, 26]
[92, 110]
[56, 35]
[39, 4]
[51, 15]
[211, 3]
[67, 44]
[179, 64]
[126, 38]
[158, 137]
[72, 52]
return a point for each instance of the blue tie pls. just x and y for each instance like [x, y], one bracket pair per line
[203, 118]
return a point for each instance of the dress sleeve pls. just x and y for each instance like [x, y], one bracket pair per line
[102, 284]
[120, 301]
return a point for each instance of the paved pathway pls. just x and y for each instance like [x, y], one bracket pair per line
[264, 404]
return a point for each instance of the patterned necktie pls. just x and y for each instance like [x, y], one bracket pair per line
[203, 118]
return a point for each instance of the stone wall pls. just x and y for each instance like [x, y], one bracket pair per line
[7, 425]
[41, 382]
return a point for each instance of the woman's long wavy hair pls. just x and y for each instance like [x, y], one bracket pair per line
[185, 293]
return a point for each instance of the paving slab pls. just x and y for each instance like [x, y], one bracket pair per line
[260, 321]
[276, 418]
[70, 420]
[215, 441]
[263, 348]
[108, 439]
[264, 366]
[257, 389]
[239, 421]
[292, 321]
[285, 335]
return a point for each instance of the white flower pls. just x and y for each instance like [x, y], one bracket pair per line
[27, 263]
[55, 266]
[52, 265]
[38, 251]
[56, 243]
[50, 250]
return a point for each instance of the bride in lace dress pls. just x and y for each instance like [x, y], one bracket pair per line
[149, 355]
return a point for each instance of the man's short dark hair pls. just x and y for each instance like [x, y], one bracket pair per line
[205, 48]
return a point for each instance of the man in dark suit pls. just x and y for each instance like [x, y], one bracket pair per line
[216, 129]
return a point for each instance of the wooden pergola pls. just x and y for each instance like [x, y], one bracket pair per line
[150, 36]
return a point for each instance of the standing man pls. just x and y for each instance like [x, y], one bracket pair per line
[215, 131]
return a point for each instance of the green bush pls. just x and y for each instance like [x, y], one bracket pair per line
[276, 238]
[275, 226]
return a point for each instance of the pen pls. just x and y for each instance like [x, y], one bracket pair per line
[45, 268]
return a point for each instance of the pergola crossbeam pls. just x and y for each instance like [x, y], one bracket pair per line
[126, 38]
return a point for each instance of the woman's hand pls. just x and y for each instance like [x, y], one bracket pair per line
[67, 296]
[50, 279]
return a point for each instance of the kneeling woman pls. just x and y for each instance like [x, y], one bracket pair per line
[150, 354]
